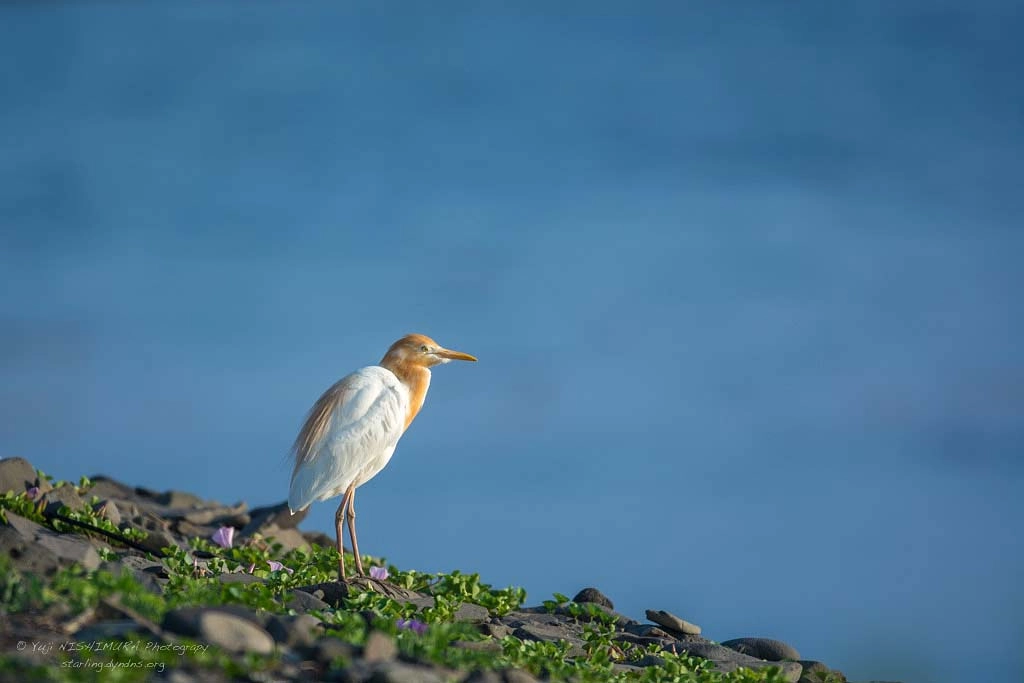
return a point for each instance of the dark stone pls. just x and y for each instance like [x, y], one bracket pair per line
[108, 629]
[646, 630]
[595, 596]
[300, 631]
[305, 602]
[273, 515]
[649, 660]
[517, 676]
[763, 648]
[328, 649]
[319, 538]
[16, 474]
[483, 676]
[158, 539]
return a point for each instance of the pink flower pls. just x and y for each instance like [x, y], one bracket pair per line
[224, 536]
[276, 566]
[252, 567]
[379, 573]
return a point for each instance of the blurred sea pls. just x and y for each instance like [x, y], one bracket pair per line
[743, 280]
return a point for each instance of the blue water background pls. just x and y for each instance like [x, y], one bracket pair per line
[744, 280]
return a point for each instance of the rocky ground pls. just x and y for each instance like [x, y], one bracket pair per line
[165, 593]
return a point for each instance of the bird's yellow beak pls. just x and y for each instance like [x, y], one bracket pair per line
[453, 355]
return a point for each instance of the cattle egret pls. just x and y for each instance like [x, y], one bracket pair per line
[352, 430]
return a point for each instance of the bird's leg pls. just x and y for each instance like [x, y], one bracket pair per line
[339, 522]
[351, 495]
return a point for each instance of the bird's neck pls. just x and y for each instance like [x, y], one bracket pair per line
[416, 378]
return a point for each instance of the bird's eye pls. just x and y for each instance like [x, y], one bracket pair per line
[425, 348]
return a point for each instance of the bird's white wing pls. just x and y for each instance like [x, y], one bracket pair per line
[351, 429]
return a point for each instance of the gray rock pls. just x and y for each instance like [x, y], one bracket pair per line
[273, 515]
[727, 660]
[108, 510]
[494, 630]
[483, 676]
[107, 488]
[517, 676]
[65, 548]
[379, 647]
[595, 596]
[817, 672]
[235, 515]
[158, 539]
[180, 499]
[61, 496]
[16, 474]
[642, 641]
[551, 634]
[23, 551]
[319, 538]
[304, 602]
[220, 626]
[763, 648]
[646, 630]
[290, 539]
[300, 631]
[671, 621]
[467, 611]
[400, 672]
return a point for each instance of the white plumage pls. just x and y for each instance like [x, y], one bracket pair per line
[360, 438]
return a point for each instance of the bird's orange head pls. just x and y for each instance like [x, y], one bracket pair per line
[421, 351]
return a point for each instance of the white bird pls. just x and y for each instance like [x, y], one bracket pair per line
[353, 429]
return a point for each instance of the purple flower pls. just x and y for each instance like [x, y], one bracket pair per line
[224, 536]
[252, 567]
[276, 566]
[379, 573]
[414, 625]
[32, 492]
